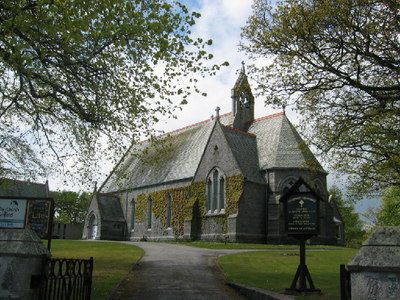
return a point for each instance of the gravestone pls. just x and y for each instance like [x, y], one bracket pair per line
[375, 270]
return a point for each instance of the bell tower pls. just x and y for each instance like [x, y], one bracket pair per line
[242, 102]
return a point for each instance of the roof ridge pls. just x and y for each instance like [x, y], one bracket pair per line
[238, 130]
[268, 117]
[183, 128]
[22, 181]
[108, 195]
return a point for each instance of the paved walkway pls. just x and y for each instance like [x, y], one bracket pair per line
[169, 271]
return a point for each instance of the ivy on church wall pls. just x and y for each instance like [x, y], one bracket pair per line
[234, 189]
[180, 207]
[187, 201]
[140, 207]
[197, 194]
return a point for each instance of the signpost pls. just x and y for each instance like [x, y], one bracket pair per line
[29, 213]
[301, 205]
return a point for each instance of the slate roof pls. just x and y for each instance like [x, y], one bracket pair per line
[16, 188]
[244, 148]
[110, 208]
[270, 142]
[280, 145]
[181, 154]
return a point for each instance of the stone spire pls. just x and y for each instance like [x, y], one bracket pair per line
[242, 101]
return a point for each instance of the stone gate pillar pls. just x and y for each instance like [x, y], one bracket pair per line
[21, 261]
[375, 270]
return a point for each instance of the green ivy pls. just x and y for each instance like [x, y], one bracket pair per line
[140, 208]
[234, 189]
[183, 201]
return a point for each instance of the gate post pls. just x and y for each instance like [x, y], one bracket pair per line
[22, 257]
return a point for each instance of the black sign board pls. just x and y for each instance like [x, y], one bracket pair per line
[302, 212]
[38, 217]
[30, 213]
[301, 206]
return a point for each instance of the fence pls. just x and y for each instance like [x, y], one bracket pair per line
[67, 279]
[345, 283]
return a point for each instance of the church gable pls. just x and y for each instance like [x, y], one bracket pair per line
[217, 154]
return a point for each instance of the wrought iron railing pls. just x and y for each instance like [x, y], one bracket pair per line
[67, 279]
[345, 283]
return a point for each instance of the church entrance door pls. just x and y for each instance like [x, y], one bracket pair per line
[92, 227]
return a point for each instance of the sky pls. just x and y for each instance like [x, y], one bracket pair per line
[221, 21]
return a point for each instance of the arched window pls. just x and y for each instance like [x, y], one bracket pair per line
[149, 212]
[209, 194]
[168, 212]
[215, 192]
[221, 199]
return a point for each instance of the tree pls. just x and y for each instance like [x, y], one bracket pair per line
[70, 207]
[338, 63]
[388, 213]
[77, 75]
[353, 227]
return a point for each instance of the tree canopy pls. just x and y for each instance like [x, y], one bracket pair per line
[338, 63]
[76, 75]
[70, 207]
[388, 212]
[354, 234]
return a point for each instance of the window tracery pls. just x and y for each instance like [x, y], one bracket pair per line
[215, 192]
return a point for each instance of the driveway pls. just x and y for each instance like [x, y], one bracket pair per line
[169, 271]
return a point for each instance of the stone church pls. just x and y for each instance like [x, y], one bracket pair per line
[220, 179]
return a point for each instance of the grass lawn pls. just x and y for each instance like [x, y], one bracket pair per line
[112, 261]
[231, 245]
[274, 270]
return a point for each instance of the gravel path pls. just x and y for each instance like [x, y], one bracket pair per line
[169, 271]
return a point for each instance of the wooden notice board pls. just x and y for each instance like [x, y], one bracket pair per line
[301, 210]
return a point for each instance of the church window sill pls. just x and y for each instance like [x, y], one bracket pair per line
[216, 213]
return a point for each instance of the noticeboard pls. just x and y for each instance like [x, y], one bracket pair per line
[301, 208]
[302, 212]
[30, 213]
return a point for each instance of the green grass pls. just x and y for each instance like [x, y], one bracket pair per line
[231, 245]
[274, 270]
[112, 261]
[271, 268]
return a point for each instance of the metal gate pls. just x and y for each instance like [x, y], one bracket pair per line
[67, 279]
[345, 283]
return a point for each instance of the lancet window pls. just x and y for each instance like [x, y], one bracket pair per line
[216, 192]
